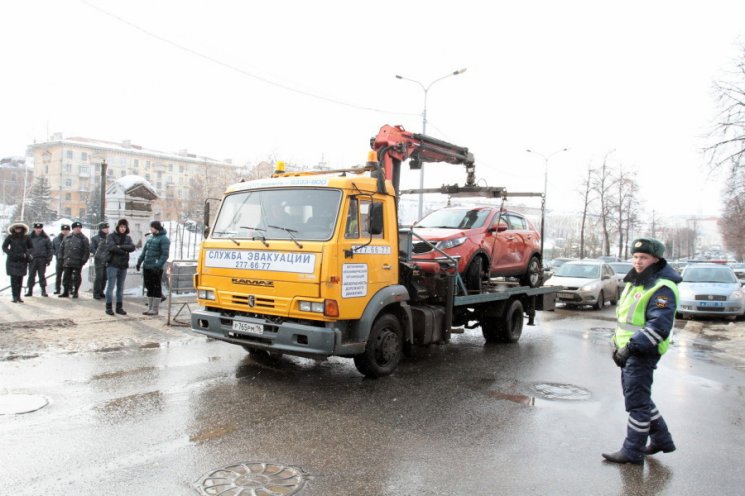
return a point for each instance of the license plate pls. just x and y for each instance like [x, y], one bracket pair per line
[710, 303]
[566, 295]
[248, 327]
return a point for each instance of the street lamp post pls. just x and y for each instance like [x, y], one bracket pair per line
[546, 158]
[424, 123]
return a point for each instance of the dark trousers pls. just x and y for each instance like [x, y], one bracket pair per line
[151, 279]
[99, 282]
[15, 286]
[71, 280]
[58, 269]
[37, 267]
[645, 421]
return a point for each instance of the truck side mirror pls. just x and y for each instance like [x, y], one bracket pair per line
[376, 218]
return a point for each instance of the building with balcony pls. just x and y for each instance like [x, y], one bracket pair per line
[73, 168]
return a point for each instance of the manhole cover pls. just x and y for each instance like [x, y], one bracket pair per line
[552, 391]
[252, 479]
[11, 404]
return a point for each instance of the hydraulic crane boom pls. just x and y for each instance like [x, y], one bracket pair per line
[393, 145]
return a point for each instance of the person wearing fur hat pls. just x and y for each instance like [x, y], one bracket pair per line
[646, 314]
[153, 259]
[42, 254]
[118, 247]
[17, 248]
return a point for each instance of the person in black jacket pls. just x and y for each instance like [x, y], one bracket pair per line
[42, 256]
[58, 268]
[118, 247]
[17, 247]
[75, 251]
[99, 260]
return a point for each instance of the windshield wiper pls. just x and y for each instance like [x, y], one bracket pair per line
[288, 231]
[229, 233]
[260, 237]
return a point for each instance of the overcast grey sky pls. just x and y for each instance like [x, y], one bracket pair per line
[310, 81]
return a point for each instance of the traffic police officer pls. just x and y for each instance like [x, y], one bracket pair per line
[646, 314]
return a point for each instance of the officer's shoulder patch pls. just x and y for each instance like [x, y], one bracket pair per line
[662, 301]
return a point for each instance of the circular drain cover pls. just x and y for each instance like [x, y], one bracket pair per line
[552, 391]
[11, 404]
[252, 479]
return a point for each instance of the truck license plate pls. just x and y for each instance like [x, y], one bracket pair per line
[248, 327]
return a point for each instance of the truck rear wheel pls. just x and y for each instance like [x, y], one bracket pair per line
[505, 328]
[383, 350]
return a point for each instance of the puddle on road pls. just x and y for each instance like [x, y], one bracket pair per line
[568, 392]
[520, 399]
[210, 434]
[129, 407]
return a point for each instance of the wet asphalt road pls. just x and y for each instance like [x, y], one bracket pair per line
[462, 419]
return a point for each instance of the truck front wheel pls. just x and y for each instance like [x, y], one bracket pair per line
[505, 328]
[383, 350]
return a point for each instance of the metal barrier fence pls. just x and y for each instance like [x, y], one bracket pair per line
[181, 292]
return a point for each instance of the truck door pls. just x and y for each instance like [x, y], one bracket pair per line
[368, 258]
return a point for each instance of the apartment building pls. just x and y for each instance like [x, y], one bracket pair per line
[73, 168]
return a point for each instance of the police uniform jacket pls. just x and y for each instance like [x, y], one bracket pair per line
[97, 243]
[75, 250]
[42, 249]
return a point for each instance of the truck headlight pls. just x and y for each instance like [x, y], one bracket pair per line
[311, 306]
[206, 294]
[451, 243]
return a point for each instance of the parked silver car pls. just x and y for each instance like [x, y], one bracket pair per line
[710, 290]
[586, 282]
[621, 269]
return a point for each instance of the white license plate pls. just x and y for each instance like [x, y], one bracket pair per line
[248, 327]
[566, 295]
[710, 303]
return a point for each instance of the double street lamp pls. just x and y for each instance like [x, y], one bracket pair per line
[424, 123]
[546, 158]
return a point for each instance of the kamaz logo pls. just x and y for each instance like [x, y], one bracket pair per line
[253, 282]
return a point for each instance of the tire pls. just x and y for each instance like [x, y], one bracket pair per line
[384, 348]
[533, 276]
[472, 275]
[261, 354]
[615, 299]
[505, 328]
[601, 301]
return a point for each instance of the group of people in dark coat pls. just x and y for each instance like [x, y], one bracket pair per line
[110, 252]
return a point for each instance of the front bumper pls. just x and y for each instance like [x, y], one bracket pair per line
[289, 337]
[711, 308]
[574, 297]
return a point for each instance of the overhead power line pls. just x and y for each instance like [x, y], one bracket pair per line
[238, 69]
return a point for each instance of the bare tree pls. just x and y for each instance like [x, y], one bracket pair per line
[586, 192]
[626, 190]
[603, 183]
[728, 148]
[731, 222]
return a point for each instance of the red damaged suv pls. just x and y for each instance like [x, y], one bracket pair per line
[490, 243]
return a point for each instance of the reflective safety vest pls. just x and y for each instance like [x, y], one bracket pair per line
[631, 312]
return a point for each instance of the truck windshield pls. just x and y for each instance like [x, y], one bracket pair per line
[302, 214]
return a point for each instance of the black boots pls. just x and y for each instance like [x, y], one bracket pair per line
[63, 295]
[120, 310]
[44, 292]
[653, 448]
[29, 292]
[109, 311]
[619, 457]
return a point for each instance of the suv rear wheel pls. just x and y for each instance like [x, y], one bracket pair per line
[533, 276]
